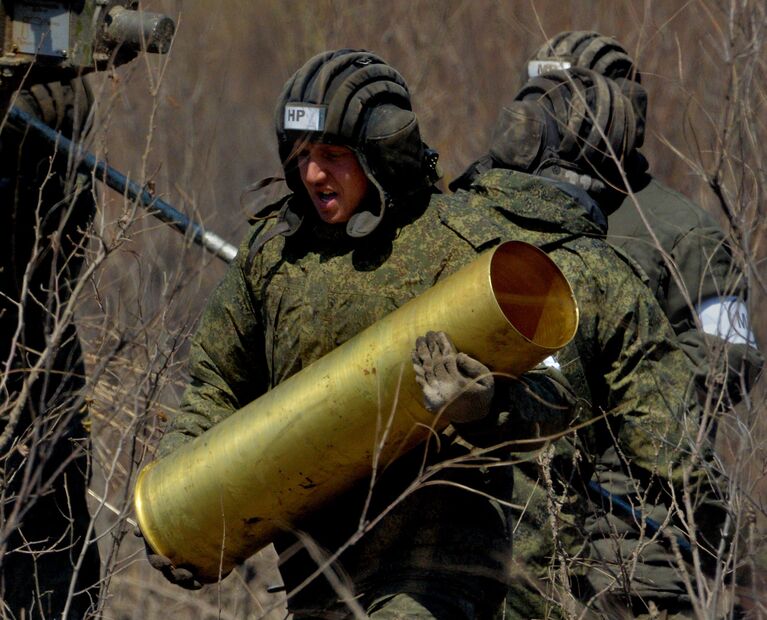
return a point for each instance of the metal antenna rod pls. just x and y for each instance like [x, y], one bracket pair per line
[87, 163]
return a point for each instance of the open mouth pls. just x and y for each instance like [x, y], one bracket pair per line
[326, 198]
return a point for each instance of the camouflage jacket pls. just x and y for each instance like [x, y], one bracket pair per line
[301, 296]
[619, 364]
[624, 362]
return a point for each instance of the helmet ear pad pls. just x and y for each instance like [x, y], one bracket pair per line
[521, 135]
[392, 147]
[637, 95]
[392, 156]
[553, 92]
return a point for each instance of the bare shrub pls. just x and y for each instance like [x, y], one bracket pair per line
[197, 127]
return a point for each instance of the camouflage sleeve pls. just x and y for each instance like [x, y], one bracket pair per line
[226, 364]
[647, 379]
[658, 460]
[526, 411]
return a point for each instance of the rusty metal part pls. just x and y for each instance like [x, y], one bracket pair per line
[152, 32]
[49, 40]
[223, 496]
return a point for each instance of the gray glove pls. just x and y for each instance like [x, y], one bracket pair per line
[454, 384]
[176, 575]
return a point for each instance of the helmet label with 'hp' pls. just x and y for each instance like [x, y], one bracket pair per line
[303, 117]
[542, 67]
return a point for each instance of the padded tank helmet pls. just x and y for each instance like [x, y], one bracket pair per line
[355, 99]
[585, 49]
[603, 54]
[575, 119]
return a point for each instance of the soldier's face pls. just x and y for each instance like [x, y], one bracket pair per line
[334, 180]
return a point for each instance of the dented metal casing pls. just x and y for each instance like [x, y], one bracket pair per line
[222, 497]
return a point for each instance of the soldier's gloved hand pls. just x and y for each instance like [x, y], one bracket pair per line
[454, 384]
[178, 576]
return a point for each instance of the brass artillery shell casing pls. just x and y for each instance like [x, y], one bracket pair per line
[223, 496]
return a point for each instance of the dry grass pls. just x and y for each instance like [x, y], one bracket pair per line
[198, 126]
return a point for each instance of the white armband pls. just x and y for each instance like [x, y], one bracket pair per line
[727, 318]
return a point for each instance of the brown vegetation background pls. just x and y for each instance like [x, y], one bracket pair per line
[197, 127]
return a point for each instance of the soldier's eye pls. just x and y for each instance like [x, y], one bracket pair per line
[335, 153]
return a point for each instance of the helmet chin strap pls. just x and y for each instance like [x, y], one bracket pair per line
[559, 172]
[362, 224]
[373, 207]
[584, 188]
[606, 195]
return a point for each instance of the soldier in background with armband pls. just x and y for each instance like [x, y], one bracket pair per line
[575, 128]
[684, 252]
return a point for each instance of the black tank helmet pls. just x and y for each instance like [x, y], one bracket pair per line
[590, 118]
[603, 54]
[569, 124]
[353, 98]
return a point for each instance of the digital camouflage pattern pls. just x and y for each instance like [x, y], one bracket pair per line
[259, 329]
[686, 260]
[696, 245]
[302, 296]
[694, 248]
[587, 526]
